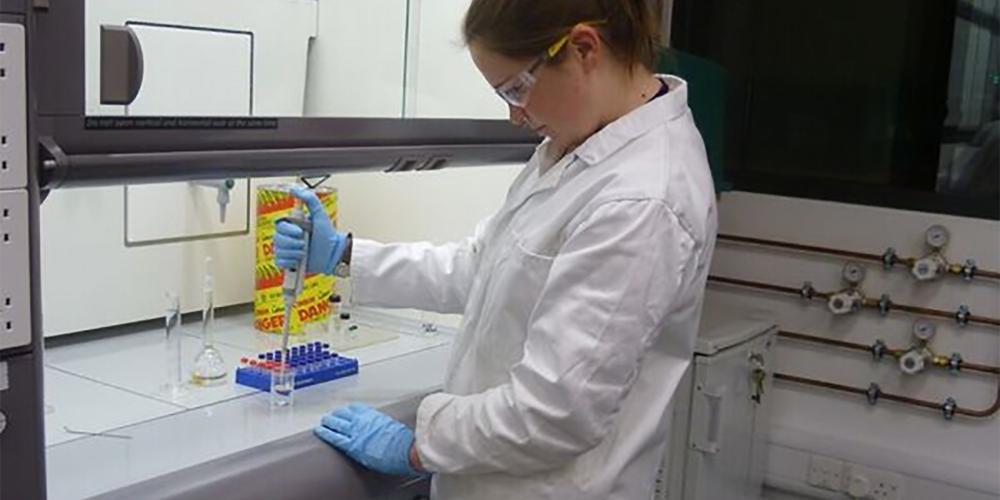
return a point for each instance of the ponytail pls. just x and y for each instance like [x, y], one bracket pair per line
[636, 30]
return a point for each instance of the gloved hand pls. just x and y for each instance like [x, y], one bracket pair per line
[370, 437]
[326, 244]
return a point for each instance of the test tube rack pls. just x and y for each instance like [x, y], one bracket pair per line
[313, 363]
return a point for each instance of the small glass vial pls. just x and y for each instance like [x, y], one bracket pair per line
[335, 302]
[333, 318]
[282, 385]
[342, 320]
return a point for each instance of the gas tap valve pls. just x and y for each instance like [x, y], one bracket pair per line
[851, 299]
[929, 268]
[913, 362]
[889, 259]
[845, 302]
[932, 265]
[963, 315]
[955, 363]
[807, 291]
[873, 393]
[915, 359]
[968, 270]
[948, 408]
[879, 349]
[884, 305]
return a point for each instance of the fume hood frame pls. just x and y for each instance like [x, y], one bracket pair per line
[66, 148]
[77, 150]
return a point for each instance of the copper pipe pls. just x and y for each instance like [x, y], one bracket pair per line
[981, 368]
[801, 248]
[988, 274]
[855, 390]
[992, 370]
[987, 412]
[922, 310]
[764, 286]
[823, 340]
[984, 320]
[798, 247]
[944, 314]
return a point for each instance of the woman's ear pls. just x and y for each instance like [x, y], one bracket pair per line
[585, 42]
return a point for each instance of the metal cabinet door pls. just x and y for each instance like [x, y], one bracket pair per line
[723, 428]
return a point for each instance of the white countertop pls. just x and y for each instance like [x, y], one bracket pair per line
[113, 385]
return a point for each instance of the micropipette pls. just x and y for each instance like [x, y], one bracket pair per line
[294, 277]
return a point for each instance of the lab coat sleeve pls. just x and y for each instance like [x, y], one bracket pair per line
[608, 294]
[416, 275]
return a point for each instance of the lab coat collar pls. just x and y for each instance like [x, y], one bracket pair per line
[538, 182]
[620, 132]
[612, 137]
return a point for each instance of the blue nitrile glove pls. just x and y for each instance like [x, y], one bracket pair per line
[326, 244]
[370, 437]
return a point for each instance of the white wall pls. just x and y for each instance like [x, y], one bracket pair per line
[442, 81]
[439, 206]
[960, 459]
[366, 52]
[356, 61]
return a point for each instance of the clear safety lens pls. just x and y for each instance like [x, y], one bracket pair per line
[515, 92]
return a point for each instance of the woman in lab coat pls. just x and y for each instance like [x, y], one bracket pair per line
[581, 295]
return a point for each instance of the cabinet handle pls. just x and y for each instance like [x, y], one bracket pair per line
[712, 441]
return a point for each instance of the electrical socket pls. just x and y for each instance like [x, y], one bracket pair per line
[13, 101]
[872, 484]
[826, 473]
[15, 278]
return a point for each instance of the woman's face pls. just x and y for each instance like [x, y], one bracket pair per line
[558, 105]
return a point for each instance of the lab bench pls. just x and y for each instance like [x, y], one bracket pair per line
[112, 432]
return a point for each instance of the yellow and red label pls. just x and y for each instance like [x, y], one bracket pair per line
[313, 305]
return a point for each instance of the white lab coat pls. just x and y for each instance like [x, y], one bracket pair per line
[581, 299]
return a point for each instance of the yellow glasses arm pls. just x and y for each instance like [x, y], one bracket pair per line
[554, 49]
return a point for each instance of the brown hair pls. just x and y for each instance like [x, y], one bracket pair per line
[523, 29]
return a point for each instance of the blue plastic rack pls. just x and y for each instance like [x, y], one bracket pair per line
[313, 364]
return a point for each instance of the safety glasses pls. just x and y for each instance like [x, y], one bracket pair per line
[516, 89]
